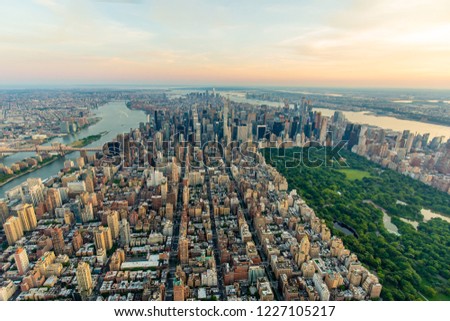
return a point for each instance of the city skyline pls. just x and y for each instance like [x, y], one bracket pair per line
[225, 159]
[326, 44]
[282, 211]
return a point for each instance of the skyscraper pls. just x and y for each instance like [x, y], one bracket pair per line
[409, 142]
[21, 259]
[113, 223]
[58, 241]
[178, 291]
[89, 184]
[164, 189]
[27, 216]
[35, 190]
[84, 279]
[124, 233]
[184, 250]
[77, 241]
[103, 238]
[4, 212]
[225, 122]
[323, 130]
[53, 200]
[88, 213]
[425, 139]
[13, 229]
[261, 131]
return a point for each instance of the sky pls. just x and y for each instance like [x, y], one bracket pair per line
[325, 43]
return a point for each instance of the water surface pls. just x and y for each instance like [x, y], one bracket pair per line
[115, 117]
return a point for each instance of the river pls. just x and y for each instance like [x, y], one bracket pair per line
[115, 117]
[361, 117]
[364, 117]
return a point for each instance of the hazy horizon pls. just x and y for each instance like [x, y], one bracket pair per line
[209, 86]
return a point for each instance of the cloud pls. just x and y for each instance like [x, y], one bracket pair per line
[371, 42]
[377, 39]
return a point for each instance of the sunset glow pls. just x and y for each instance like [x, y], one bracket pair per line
[386, 43]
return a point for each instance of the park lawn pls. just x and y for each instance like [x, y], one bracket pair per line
[354, 174]
[440, 297]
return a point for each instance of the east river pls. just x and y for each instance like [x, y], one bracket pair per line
[115, 117]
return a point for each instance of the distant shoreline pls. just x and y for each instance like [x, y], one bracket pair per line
[83, 142]
[30, 170]
[379, 113]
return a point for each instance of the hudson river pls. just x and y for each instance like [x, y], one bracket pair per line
[363, 117]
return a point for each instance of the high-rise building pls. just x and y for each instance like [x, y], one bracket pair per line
[198, 133]
[338, 117]
[45, 262]
[113, 223]
[323, 130]
[184, 250]
[13, 229]
[80, 162]
[84, 279]
[226, 131]
[124, 233]
[58, 241]
[116, 260]
[409, 142]
[4, 211]
[87, 214]
[425, 139]
[294, 128]
[185, 195]
[77, 240]
[243, 133]
[89, 184]
[35, 190]
[7, 290]
[164, 189]
[27, 216]
[278, 127]
[21, 259]
[179, 290]
[53, 200]
[103, 238]
[69, 219]
[261, 132]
